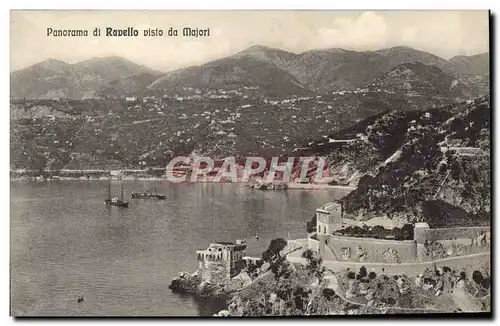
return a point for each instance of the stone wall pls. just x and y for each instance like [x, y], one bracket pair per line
[313, 244]
[372, 250]
[214, 271]
[428, 244]
[455, 233]
[469, 262]
[221, 261]
[442, 243]
[237, 267]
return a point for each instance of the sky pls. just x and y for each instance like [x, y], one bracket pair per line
[443, 33]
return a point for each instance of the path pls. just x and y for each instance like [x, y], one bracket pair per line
[332, 282]
[464, 301]
[416, 267]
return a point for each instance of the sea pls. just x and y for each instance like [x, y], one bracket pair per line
[65, 243]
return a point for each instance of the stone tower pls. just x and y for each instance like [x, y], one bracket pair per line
[328, 220]
[221, 261]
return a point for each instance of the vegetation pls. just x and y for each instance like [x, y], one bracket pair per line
[104, 133]
[304, 290]
[273, 256]
[311, 225]
[439, 214]
[378, 232]
[273, 252]
[425, 165]
[314, 263]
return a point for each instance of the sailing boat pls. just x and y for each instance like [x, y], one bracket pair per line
[115, 201]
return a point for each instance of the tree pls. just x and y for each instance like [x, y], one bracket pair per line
[362, 272]
[274, 249]
[314, 263]
[328, 293]
[311, 225]
[273, 256]
[477, 277]
[252, 268]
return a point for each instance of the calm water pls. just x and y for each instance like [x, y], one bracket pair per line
[65, 242]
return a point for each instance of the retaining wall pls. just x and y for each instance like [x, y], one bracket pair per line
[372, 250]
[468, 262]
[455, 233]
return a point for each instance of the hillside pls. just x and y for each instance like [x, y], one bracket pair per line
[261, 101]
[280, 58]
[317, 70]
[473, 71]
[216, 123]
[469, 65]
[57, 79]
[130, 85]
[153, 131]
[339, 69]
[418, 79]
[50, 78]
[417, 163]
[233, 72]
[401, 54]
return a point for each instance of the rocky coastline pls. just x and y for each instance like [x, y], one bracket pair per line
[192, 284]
[279, 287]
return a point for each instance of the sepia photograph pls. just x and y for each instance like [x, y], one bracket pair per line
[250, 163]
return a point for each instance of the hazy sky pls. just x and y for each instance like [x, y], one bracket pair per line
[444, 33]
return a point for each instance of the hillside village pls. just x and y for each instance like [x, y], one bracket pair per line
[124, 124]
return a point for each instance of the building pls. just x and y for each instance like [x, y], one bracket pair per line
[221, 261]
[329, 220]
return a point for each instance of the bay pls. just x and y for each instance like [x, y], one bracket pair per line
[66, 243]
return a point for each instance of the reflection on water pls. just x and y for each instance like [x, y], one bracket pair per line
[65, 242]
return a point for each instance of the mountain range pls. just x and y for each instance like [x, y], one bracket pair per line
[54, 78]
[271, 70]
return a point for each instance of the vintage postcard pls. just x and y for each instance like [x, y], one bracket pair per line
[250, 163]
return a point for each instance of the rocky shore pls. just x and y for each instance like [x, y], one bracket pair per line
[186, 283]
[192, 284]
[282, 288]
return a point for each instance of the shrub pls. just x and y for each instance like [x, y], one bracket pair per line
[328, 293]
[477, 277]
[274, 249]
[311, 225]
[378, 232]
[362, 272]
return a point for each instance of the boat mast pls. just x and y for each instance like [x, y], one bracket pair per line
[122, 191]
[109, 190]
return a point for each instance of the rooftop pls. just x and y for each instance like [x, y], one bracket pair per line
[238, 242]
[330, 206]
[224, 243]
